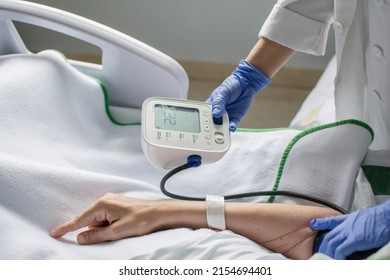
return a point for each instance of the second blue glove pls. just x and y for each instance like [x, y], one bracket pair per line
[236, 92]
[359, 231]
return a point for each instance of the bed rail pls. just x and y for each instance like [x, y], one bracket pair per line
[131, 70]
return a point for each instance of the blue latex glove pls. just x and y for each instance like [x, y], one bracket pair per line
[362, 230]
[236, 92]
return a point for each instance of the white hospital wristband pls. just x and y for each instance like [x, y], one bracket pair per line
[215, 212]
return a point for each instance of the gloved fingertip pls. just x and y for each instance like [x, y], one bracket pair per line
[217, 113]
[233, 127]
[317, 224]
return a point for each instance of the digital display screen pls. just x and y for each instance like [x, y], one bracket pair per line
[176, 118]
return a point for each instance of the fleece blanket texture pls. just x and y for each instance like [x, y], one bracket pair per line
[61, 149]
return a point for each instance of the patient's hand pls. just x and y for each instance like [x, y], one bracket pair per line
[114, 217]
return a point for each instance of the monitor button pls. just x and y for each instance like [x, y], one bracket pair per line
[219, 138]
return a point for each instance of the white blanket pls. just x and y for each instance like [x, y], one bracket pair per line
[60, 151]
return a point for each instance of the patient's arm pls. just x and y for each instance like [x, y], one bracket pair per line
[281, 228]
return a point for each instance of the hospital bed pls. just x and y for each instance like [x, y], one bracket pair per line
[71, 133]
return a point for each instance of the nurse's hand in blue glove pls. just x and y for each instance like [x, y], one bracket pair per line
[362, 230]
[236, 92]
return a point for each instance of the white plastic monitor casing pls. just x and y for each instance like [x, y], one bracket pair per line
[167, 149]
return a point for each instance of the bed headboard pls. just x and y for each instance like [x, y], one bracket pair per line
[131, 70]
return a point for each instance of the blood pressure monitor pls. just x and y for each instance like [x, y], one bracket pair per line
[174, 129]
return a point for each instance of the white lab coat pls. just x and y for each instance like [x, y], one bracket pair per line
[362, 30]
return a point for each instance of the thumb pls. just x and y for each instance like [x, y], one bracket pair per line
[327, 222]
[94, 236]
[218, 104]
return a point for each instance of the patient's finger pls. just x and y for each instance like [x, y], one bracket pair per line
[94, 236]
[85, 219]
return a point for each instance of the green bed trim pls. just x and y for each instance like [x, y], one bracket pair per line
[379, 178]
[105, 94]
[303, 134]
[107, 107]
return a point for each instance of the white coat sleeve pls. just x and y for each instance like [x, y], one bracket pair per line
[301, 25]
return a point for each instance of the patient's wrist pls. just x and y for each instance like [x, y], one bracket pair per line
[181, 214]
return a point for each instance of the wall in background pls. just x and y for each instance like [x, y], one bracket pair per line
[213, 31]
